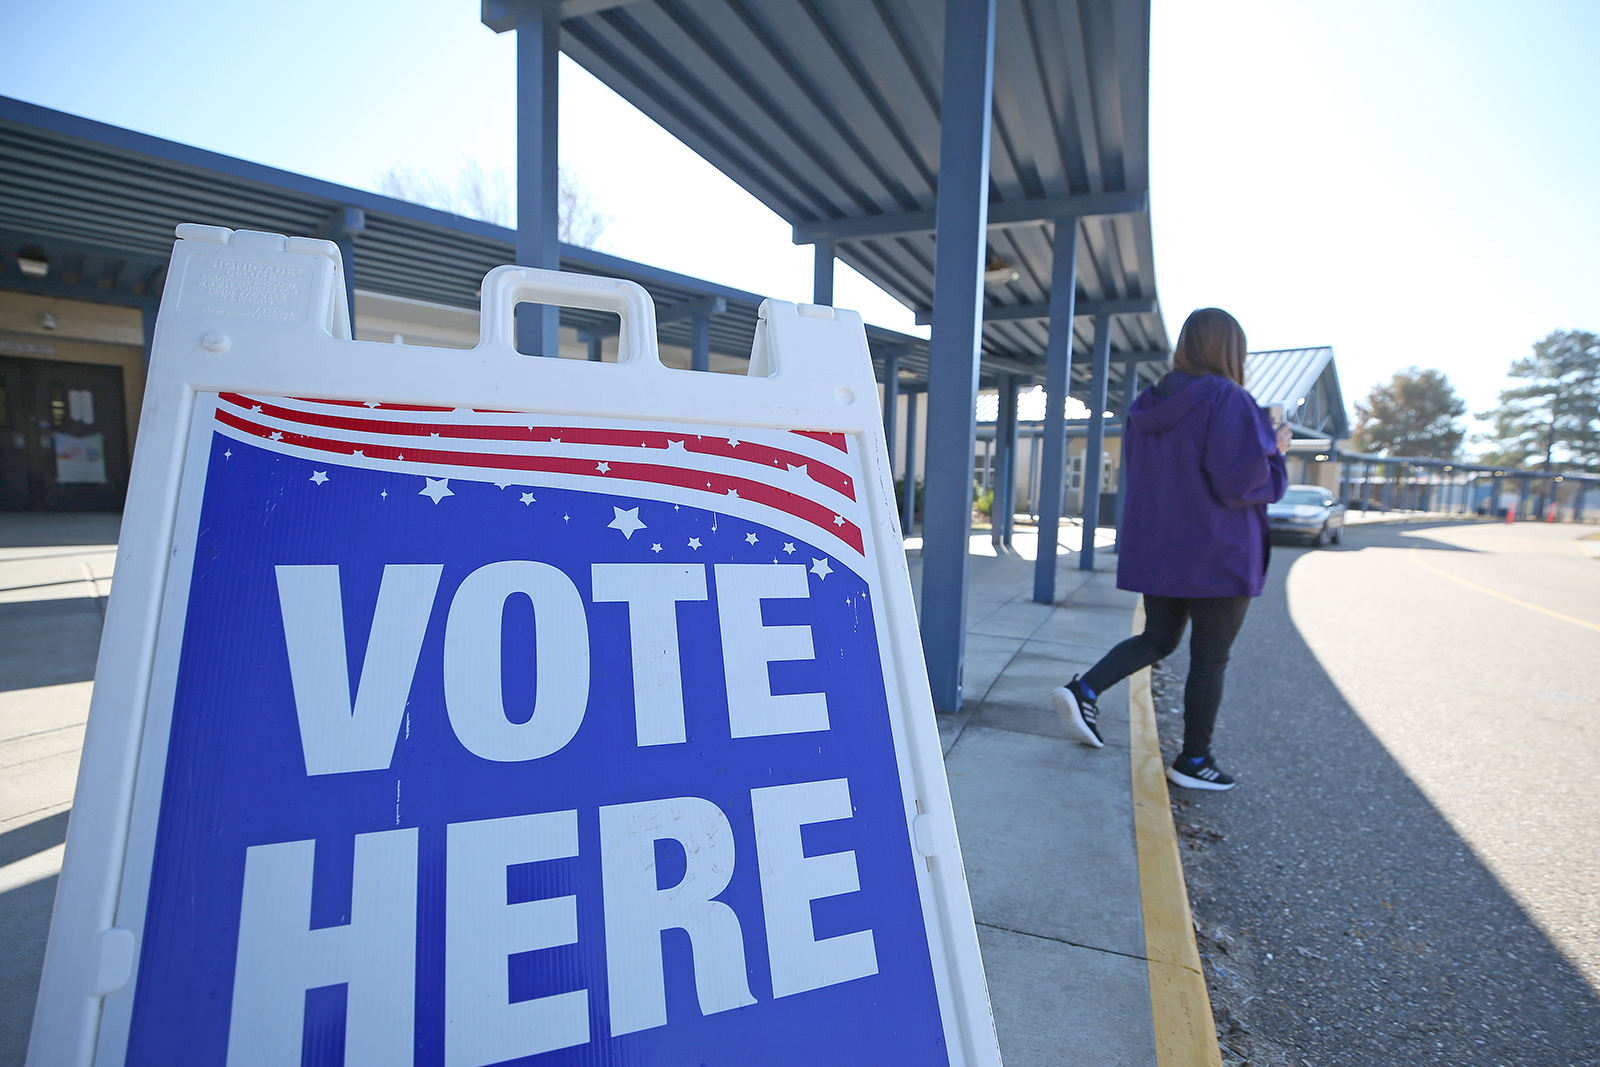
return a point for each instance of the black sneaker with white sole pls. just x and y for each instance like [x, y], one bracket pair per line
[1076, 706]
[1199, 774]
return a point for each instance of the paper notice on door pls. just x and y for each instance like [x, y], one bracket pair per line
[80, 460]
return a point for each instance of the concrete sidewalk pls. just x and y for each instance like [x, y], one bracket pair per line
[1070, 853]
[54, 577]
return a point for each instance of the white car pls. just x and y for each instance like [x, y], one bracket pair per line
[1308, 511]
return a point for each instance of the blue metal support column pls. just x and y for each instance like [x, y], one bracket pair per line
[822, 274]
[1094, 444]
[700, 342]
[342, 227]
[1057, 382]
[147, 315]
[891, 403]
[594, 341]
[961, 217]
[1008, 407]
[909, 504]
[538, 202]
[1130, 387]
[1002, 458]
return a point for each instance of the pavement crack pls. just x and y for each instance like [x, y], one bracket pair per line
[1064, 941]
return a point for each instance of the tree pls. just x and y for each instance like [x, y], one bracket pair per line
[1554, 419]
[480, 193]
[1416, 414]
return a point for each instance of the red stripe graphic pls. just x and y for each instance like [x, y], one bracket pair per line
[744, 451]
[718, 485]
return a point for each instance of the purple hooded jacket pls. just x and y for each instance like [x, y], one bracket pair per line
[1202, 465]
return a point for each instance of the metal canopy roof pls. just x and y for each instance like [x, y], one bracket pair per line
[101, 202]
[1306, 382]
[828, 112]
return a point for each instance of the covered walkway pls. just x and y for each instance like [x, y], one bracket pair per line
[1015, 132]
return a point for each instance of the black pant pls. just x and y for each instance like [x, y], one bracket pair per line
[1216, 624]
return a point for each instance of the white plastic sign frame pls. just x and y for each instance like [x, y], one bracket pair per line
[722, 832]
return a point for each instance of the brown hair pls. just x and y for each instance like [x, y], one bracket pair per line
[1211, 342]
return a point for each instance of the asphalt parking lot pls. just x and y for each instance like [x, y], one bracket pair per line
[1406, 873]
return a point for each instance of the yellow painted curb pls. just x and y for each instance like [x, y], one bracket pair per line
[1186, 1035]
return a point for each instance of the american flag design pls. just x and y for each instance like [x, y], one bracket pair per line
[274, 482]
[802, 481]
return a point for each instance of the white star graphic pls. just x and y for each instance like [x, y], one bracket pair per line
[256, 407]
[436, 489]
[276, 436]
[750, 538]
[602, 467]
[370, 404]
[384, 494]
[733, 442]
[433, 435]
[655, 547]
[820, 568]
[675, 446]
[360, 453]
[694, 542]
[734, 493]
[500, 484]
[796, 468]
[228, 454]
[319, 476]
[555, 440]
[626, 521]
[838, 520]
[788, 546]
[527, 498]
[566, 518]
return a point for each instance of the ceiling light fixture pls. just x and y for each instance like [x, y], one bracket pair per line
[997, 271]
[32, 262]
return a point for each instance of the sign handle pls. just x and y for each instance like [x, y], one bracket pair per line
[506, 287]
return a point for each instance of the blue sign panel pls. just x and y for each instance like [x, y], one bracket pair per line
[548, 744]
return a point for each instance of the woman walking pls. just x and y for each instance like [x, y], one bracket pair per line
[1203, 462]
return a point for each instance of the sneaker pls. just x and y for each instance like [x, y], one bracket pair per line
[1078, 713]
[1199, 774]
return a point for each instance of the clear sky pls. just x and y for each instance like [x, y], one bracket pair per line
[1410, 181]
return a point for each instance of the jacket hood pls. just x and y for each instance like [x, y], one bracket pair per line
[1169, 401]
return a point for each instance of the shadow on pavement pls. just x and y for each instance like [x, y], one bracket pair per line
[48, 642]
[35, 529]
[33, 838]
[1390, 942]
[1388, 535]
[25, 917]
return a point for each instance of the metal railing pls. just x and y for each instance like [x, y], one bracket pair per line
[1446, 486]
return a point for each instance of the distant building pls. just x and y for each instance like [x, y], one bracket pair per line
[1304, 382]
